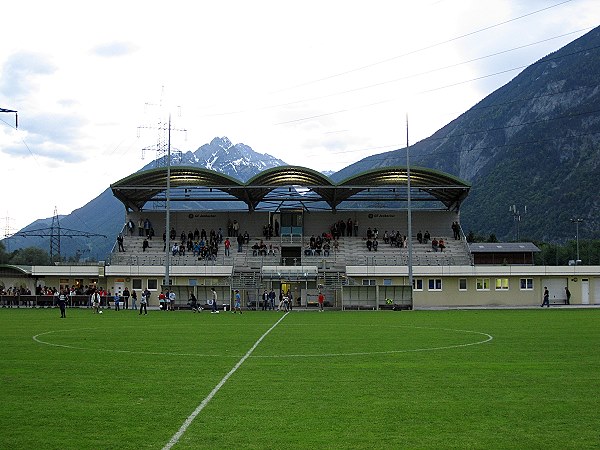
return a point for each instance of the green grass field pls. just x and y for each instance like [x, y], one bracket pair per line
[337, 380]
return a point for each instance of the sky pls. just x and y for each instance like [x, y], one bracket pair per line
[318, 83]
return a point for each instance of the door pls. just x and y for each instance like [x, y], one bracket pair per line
[291, 222]
[556, 288]
[585, 291]
[118, 287]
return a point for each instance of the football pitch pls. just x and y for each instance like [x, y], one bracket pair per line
[270, 380]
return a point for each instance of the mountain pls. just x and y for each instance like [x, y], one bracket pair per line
[534, 142]
[105, 215]
[238, 161]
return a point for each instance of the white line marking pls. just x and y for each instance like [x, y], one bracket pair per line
[216, 389]
[388, 352]
[489, 337]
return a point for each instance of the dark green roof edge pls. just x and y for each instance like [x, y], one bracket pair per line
[158, 170]
[25, 270]
[417, 169]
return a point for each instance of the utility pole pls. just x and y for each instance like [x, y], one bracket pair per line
[164, 158]
[577, 222]
[410, 247]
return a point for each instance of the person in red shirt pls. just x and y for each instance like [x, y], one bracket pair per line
[321, 299]
[227, 244]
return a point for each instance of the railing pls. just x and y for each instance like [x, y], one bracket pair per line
[41, 301]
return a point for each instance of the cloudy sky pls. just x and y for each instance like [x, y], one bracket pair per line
[315, 83]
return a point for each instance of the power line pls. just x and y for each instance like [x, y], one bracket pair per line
[542, 61]
[395, 80]
[428, 47]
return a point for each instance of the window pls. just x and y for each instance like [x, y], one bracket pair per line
[482, 284]
[368, 282]
[136, 283]
[501, 284]
[387, 282]
[462, 284]
[192, 282]
[526, 284]
[435, 284]
[417, 284]
[152, 284]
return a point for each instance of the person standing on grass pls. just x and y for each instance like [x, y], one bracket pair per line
[546, 300]
[321, 299]
[96, 302]
[143, 301]
[62, 303]
[117, 300]
[162, 298]
[568, 294]
[214, 309]
[172, 300]
[237, 303]
[194, 303]
[272, 300]
[126, 296]
[134, 300]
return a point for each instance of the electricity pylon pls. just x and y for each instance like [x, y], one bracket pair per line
[55, 232]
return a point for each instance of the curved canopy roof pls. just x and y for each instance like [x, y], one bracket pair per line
[290, 184]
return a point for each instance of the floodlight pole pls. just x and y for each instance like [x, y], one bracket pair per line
[577, 222]
[168, 209]
[4, 110]
[410, 246]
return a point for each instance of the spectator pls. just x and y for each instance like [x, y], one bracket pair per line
[120, 242]
[456, 230]
[117, 301]
[130, 227]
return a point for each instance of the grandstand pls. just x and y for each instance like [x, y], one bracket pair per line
[305, 234]
[286, 210]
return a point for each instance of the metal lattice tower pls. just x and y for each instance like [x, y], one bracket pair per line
[161, 149]
[55, 232]
[55, 236]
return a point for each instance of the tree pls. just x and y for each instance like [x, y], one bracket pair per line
[3, 255]
[31, 256]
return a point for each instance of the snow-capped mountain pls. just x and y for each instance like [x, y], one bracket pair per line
[239, 161]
